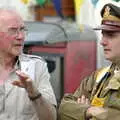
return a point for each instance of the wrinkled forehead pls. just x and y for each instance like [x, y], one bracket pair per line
[10, 18]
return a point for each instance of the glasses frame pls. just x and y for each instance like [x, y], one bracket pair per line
[15, 31]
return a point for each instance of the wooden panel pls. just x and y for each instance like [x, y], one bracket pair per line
[68, 3]
[49, 10]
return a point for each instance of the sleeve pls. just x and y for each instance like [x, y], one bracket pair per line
[69, 109]
[43, 83]
[113, 105]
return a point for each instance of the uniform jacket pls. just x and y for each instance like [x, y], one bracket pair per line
[69, 109]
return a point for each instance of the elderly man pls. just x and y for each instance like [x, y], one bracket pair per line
[98, 96]
[25, 90]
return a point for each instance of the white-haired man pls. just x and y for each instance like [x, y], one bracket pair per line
[25, 90]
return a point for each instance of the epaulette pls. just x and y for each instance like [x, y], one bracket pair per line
[33, 57]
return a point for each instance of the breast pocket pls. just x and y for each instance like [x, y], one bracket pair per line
[114, 99]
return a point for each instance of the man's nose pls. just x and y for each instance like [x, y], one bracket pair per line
[20, 35]
[104, 41]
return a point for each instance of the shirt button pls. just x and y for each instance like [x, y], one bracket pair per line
[8, 116]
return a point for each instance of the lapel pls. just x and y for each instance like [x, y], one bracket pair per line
[99, 79]
[102, 75]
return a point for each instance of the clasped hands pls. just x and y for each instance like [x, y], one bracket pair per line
[92, 111]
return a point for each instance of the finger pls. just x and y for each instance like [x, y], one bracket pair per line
[22, 78]
[22, 75]
[87, 101]
[17, 83]
[79, 100]
[83, 99]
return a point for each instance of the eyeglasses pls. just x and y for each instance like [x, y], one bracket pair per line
[15, 31]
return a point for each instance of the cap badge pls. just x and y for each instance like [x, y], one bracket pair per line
[107, 11]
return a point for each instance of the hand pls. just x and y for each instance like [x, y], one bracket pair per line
[25, 82]
[83, 100]
[97, 111]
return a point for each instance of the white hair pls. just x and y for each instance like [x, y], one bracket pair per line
[5, 12]
[8, 9]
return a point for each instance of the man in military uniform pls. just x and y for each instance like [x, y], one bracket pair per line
[98, 96]
[25, 90]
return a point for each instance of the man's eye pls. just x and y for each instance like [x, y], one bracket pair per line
[12, 30]
[23, 29]
[109, 34]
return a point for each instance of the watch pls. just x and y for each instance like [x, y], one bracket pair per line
[35, 97]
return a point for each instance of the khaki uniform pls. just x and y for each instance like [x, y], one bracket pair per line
[106, 87]
[14, 101]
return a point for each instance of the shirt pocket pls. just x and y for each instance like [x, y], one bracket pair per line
[114, 99]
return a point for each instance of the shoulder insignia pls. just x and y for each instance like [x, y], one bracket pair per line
[107, 11]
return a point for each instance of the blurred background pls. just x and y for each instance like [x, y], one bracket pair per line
[61, 32]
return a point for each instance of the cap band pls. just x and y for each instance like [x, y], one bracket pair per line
[112, 23]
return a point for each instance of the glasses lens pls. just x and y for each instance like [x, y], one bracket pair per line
[15, 31]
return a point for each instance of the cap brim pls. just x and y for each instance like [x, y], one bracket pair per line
[107, 28]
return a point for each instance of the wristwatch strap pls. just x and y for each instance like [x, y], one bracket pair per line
[35, 97]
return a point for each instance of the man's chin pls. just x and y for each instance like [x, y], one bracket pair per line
[113, 60]
[17, 53]
[108, 58]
